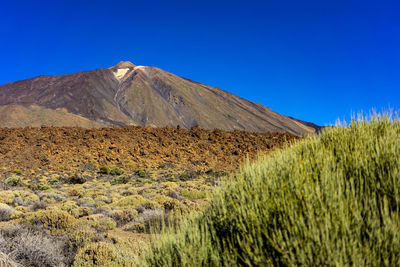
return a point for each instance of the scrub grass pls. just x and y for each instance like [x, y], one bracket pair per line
[328, 200]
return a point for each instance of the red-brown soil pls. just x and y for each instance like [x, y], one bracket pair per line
[53, 148]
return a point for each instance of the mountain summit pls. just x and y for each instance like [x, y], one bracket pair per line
[126, 94]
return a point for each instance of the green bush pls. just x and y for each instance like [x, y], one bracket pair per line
[105, 224]
[116, 171]
[71, 207]
[119, 180]
[13, 180]
[44, 187]
[130, 202]
[77, 179]
[193, 194]
[329, 200]
[104, 170]
[17, 171]
[141, 173]
[7, 196]
[56, 221]
[53, 181]
[81, 235]
[103, 254]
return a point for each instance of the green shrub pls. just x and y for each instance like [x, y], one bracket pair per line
[17, 171]
[99, 221]
[71, 207]
[119, 180]
[13, 180]
[193, 193]
[44, 187]
[104, 170]
[141, 173]
[105, 224]
[329, 200]
[27, 196]
[56, 221]
[53, 181]
[81, 235]
[143, 181]
[6, 196]
[77, 179]
[103, 254]
[186, 176]
[130, 202]
[116, 171]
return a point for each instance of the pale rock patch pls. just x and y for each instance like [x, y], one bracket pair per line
[120, 73]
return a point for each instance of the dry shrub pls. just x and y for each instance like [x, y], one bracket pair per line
[152, 219]
[122, 217]
[39, 206]
[31, 246]
[5, 212]
[6, 261]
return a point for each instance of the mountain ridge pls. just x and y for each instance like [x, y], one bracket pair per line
[127, 94]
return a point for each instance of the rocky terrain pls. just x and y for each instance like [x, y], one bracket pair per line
[126, 94]
[91, 196]
[72, 148]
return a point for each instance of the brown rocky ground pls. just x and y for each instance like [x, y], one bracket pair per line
[71, 148]
[91, 197]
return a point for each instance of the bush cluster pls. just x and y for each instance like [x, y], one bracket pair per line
[56, 221]
[332, 199]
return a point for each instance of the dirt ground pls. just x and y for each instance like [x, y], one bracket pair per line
[54, 148]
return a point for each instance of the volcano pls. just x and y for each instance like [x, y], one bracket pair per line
[126, 94]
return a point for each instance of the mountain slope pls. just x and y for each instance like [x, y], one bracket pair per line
[126, 94]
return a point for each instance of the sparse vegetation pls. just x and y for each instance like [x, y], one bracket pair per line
[81, 205]
[79, 215]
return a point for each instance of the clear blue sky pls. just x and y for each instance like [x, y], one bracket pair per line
[314, 60]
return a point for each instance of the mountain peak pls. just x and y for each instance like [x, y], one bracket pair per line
[122, 68]
[124, 64]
